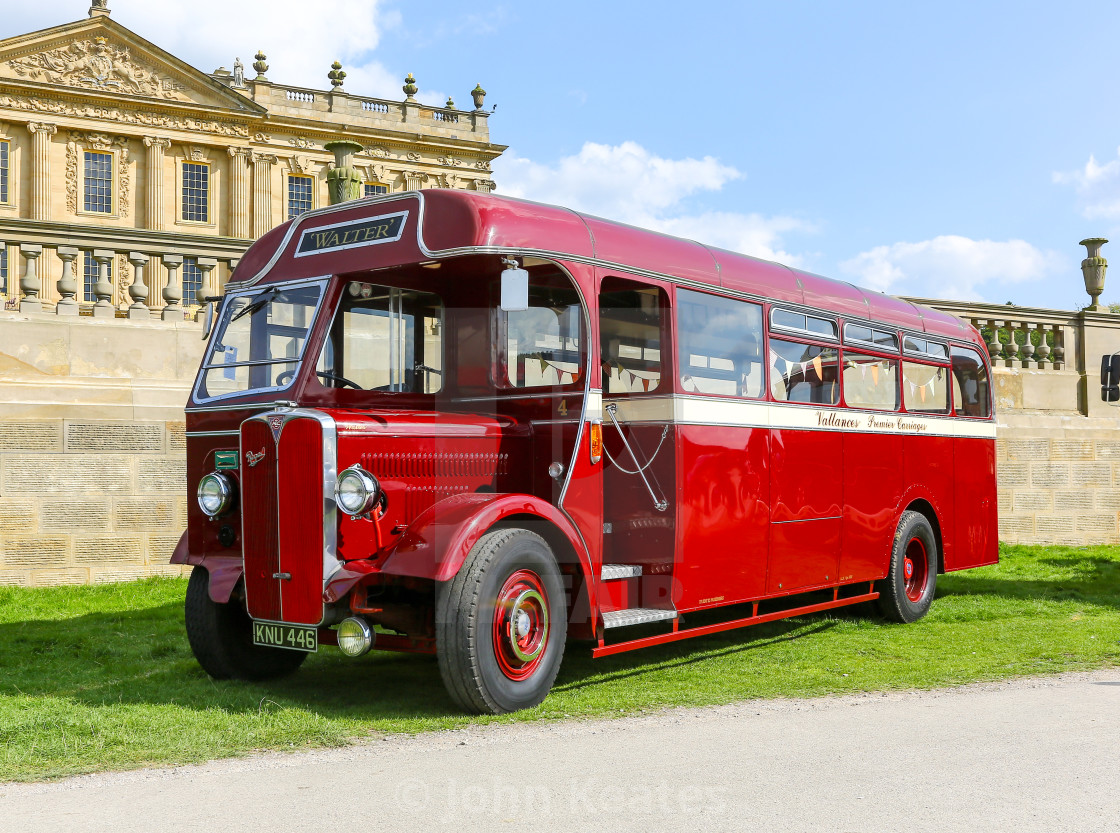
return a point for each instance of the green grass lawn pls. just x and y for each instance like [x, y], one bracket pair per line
[97, 678]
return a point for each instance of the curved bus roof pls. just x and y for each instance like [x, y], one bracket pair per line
[445, 222]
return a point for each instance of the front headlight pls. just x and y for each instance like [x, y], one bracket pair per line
[215, 493]
[357, 491]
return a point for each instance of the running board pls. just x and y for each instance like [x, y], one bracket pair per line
[636, 616]
[611, 572]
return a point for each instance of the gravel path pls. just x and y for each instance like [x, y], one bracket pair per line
[1038, 754]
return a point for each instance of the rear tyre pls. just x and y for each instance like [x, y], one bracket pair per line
[907, 592]
[501, 623]
[221, 637]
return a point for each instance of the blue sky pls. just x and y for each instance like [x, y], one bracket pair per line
[955, 150]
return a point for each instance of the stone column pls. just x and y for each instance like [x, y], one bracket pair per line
[173, 292]
[103, 289]
[138, 290]
[156, 145]
[29, 284]
[262, 193]
[205, 288]
[67, 285]
[239, 192]
[41, 169]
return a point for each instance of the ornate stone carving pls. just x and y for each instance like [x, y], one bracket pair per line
[97, 65]
[450, 161]
[157, 141]
[39, 127]
[123, 179]
[72, 175]
[301, 164]
[482, 165]
[124, 280]
[376, 173]
[271, 159]
[264, 138]
[413, 156]
[196, 153]
[124, 116]
[236, 152]
[301, 142]
[380, 151]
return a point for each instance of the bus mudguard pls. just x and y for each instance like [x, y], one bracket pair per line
[225, 570]
[438, 541]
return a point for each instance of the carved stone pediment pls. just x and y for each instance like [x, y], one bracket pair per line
[101, 58]
[98, 64]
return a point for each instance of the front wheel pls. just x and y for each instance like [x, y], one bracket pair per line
[221, 637]
[501, 624]
[907, 592]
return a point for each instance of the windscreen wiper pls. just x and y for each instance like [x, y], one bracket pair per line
[257, 302]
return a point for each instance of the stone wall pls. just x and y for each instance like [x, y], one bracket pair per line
[92, 447]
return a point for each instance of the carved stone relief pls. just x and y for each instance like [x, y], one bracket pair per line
[98, 65]
[450, 161]
[117, 114]
[301, 164]
[380, 151]
[301, 142]
[196, 153]
[264, 138]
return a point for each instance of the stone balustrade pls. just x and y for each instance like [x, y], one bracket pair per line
[153, 289]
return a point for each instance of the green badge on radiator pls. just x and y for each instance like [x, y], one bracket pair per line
[225, 459]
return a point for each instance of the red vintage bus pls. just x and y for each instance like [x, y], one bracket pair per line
[457, 423]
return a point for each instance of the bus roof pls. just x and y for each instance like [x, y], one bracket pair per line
[451, 222]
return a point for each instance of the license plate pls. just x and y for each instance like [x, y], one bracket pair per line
[292, 637]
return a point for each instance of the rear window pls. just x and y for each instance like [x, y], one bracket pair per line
[971, 395]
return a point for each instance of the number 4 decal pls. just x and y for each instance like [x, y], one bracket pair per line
[563, 409]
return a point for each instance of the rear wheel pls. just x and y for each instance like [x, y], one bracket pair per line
[501, 624]
[907, 592]
[221, 637]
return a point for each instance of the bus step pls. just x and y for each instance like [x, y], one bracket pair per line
[636, 616]
[610, 572]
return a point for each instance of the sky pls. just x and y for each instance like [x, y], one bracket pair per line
[952, 150]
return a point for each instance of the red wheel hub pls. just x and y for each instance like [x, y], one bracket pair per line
[521, 625]
[915, 570]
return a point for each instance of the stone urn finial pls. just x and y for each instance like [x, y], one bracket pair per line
[479, 95]
[343, 182]
[1093, 268]
[260, 65]
[450, 105]
[410, 88]
[337, 76]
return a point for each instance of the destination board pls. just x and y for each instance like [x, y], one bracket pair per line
[369, 231]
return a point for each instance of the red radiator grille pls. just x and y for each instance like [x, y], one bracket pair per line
[282, 520]
[260, 521]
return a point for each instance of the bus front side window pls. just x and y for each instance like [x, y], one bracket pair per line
[870, 382]
[542, 343]
[384, 339]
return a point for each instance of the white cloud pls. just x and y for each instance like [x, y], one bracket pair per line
[951, 266]
[630, 184]
[1097, 186]
[300, 39]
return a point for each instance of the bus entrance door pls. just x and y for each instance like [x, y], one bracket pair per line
[639, 506]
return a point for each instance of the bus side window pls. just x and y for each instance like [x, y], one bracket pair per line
[970, 383]
[925, 388]
[720, 344]
[630, 334]
[870, 382]
[804, 372]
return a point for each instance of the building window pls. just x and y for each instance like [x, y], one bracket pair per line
[192, 281]
[196, 192]
[373, 188]
[5, 176]
[299, 194]
[3, 269]
[89, 276]
[98, 182]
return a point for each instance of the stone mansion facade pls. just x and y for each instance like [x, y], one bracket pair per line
[128, 177]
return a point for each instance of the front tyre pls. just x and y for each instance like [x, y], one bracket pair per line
[907, 592]
[221, 637]
[501, 623]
